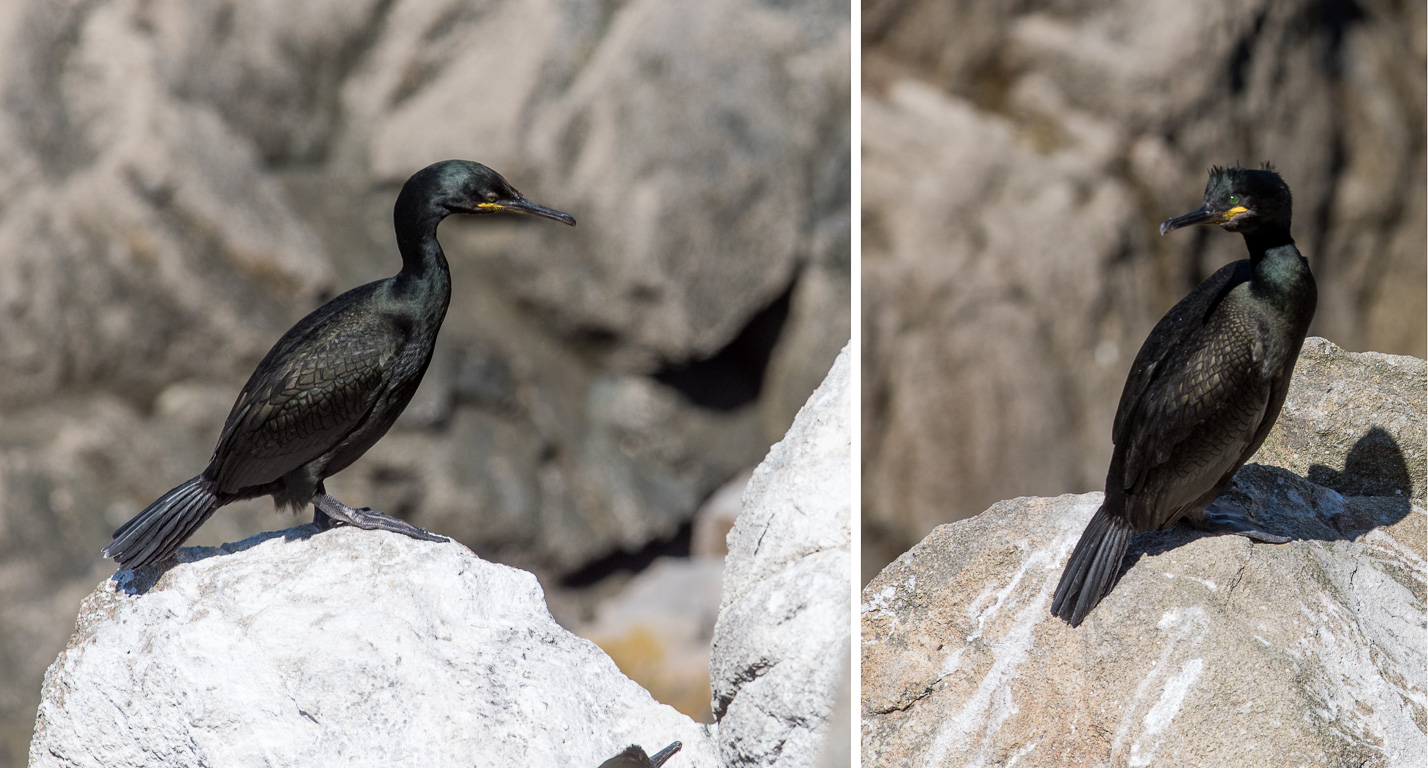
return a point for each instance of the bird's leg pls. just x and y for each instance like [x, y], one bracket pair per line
[321, 520]
[1219, 520]
[328, 511]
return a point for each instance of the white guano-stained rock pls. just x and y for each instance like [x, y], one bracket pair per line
[1211, 650]
[346, 647]
[782, 642]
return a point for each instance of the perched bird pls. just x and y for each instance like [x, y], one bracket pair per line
[634, 757]
[1205, 387]
[335, 382]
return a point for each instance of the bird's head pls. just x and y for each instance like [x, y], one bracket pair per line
[1240, 200]
[461, 186]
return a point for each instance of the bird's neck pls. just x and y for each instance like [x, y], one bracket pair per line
[1281, 274]
[424, 269]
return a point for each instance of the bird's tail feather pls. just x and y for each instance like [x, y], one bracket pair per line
[157, 532]
[1092, 567]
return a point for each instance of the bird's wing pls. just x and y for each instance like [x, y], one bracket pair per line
[1187, 318]
[316, 386]
[1195, 430]
[1194, 402]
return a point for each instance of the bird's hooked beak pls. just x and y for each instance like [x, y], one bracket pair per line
[1205, 214]
[522, 205]
[659, 758]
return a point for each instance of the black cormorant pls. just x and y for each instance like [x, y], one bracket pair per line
[335, 382]
[634, 757]
[1204, 389]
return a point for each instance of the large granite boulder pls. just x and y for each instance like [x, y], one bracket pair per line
[350, 647]
[1210, 650]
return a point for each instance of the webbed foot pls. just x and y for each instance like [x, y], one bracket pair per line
[1218, 520]
[329, 512]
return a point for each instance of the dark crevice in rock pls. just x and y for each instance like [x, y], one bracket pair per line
[326, 91]
[748, 674]
[902, 705]
[1242, 55]
[677, 545]
[733, 377]
[1336, 17]
[588, 340]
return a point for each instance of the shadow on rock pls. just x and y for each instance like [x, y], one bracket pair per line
[139, 581]
[1375, 467]
[1372, 491]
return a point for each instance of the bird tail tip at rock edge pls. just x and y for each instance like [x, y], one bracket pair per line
[1092, 567]
[157, 532]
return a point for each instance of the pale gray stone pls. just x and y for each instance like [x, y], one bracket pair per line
[782, 644]
[1354, 422]
[350, 647]
[1211, 650]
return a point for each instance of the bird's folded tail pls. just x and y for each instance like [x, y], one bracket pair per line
[157, 532]
[1092, 567]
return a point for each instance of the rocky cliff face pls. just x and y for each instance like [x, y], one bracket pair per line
[1016, 163]
[1211, 650]
[181, 182]
[363, 648]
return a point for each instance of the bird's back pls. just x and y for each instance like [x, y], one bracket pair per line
[1197, 403]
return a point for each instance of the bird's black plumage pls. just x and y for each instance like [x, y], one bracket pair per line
[1204, 389]
[634, 756]
[334, 383]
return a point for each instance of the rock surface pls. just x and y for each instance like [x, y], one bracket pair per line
[1354, 422]
[183, 181]
[1016, 162]
[305, 648]
[1210, 650]
[658, 629]
[782, 645]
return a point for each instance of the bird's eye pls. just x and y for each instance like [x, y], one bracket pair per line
[1234, 199]
[490, 197]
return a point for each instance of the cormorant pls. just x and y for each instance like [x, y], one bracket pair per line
[1204, 389]
[335, 382]
[634, 757]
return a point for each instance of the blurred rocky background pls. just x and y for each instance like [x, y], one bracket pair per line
[1017, 158]
[181, 181]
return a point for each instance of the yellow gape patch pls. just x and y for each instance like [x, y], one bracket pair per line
[1233, 212]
